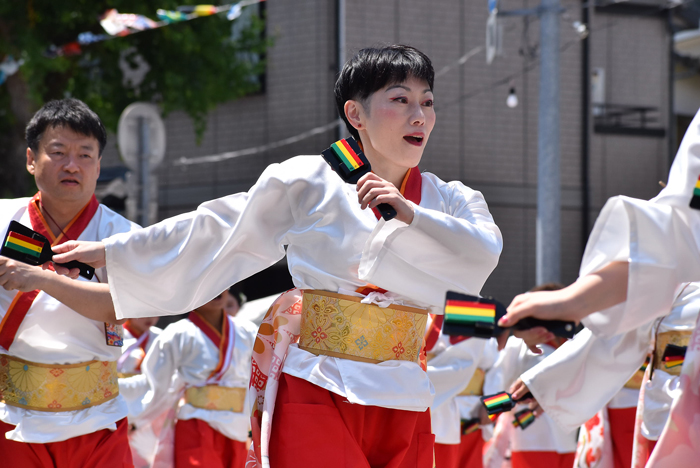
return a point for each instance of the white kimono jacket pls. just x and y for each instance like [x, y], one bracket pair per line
[133, 355]
[659, 238]
[52, 333]
[183, 356]
[450, 371]
[543, 435]
[333, 245]
[143, 439]
[663, 388]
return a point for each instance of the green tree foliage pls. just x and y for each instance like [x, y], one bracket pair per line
[194, 66]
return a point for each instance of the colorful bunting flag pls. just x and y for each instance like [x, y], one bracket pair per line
[170, 16]
[118, 24]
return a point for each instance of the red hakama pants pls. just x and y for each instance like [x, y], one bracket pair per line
[447, 455]
[542, 459]
[313, 427]
[101, 449]
[471, 450]
[469, 453]
[622, 434]
[197, 444]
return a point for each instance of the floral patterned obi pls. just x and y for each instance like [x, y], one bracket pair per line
[343, 327]
[215, 397]
[56, 387]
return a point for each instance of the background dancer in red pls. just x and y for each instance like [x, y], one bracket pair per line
[204, 359]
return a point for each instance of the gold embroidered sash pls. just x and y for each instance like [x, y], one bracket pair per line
[56, 387]
[216, 397]
[678, 338]
[341, 326]
[126, 375]
[475, 387]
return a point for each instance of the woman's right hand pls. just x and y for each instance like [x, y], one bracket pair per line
[92, 253]
[518, 390]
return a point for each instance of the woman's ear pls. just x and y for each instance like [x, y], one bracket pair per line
[354, 113]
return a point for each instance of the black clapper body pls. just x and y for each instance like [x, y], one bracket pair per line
[480, 330]
[348, 161]
[10, 250]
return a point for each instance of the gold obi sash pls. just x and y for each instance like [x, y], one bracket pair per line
[635, 382]
[678, 338]
[56, 387]
[126, 375]
[475, 387]
[341, 326]
[216, 397]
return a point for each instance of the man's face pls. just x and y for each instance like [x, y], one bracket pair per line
[65, 166]
[231, 306]
[398, 120]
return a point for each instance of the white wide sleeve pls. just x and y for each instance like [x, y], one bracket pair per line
[658, 242]
[506, 368]
[439, 251]
[183, 262]
[159, 369]
[584, 374]
[451, 370]
[133, 390]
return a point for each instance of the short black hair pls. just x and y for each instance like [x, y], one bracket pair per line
[72, 113]
[373, 68]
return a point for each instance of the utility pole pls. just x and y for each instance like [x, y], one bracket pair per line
[548, 241]
[548, 149]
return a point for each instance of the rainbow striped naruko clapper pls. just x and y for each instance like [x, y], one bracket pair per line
[347, 155]
[674, 356]
[468, 426]
[645, 364]
[23, 244]
[524, 418]
[465, 312]
[498, 402]
[695, 200]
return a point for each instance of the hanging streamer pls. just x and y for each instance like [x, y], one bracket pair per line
[118, 24]
[9, 67]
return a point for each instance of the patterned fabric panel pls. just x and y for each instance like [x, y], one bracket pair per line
[55, 387]
[342, 326]
[215, 397]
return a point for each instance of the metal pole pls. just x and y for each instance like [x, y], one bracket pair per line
[341, 54]
[585, 125]
[144, 157]
[671, 84]
[548, 172]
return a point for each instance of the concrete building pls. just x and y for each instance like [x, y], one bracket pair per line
[686, 95]
[617, 145]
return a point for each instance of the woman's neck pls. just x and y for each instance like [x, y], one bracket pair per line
[385, 169]
[212, 317]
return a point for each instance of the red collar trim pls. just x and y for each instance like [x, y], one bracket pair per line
[73, 229]
[131, 330]
[211, 332]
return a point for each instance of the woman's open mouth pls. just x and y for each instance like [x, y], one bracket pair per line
[415, 140]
